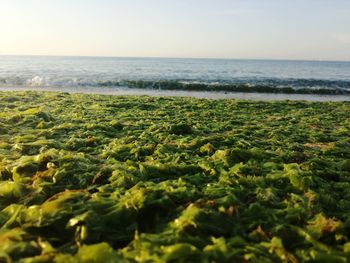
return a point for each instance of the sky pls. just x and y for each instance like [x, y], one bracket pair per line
[244, 29]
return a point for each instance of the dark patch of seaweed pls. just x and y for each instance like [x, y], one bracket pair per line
[321, 87]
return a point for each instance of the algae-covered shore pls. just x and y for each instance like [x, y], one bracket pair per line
[93, 178]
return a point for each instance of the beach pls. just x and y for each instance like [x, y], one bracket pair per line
[172, 179]
[174, 131]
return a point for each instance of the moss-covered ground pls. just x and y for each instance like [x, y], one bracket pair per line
[93, 178]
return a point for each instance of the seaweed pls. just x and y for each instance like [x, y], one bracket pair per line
[93, 178]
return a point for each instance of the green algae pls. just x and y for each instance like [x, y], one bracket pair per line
[92, 178]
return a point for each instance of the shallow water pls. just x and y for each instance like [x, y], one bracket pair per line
[181, 93]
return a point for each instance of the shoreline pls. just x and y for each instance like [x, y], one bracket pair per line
[120, 91]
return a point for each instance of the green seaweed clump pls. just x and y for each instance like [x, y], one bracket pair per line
[93, 178]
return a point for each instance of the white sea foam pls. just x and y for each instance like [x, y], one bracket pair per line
[36, 81]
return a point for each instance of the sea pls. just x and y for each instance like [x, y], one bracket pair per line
[200, 78]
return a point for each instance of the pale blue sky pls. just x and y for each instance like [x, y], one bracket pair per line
[261, 29]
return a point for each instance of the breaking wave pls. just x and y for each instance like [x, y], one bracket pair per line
[267, 86]
[287, 86]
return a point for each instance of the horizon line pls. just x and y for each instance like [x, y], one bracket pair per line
[184, 58]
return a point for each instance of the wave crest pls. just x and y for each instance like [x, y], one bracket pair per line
[287, 86]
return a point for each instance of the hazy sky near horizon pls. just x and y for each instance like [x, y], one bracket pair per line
[252, 29]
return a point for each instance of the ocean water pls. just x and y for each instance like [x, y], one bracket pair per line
[130, 75]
